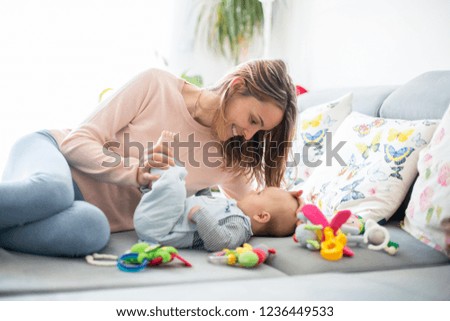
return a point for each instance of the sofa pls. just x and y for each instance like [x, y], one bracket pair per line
[416, 272]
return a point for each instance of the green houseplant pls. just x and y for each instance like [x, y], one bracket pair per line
[230, 25]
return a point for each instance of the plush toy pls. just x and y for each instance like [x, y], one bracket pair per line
[332, 248]
[245, 256]
[355, 229]
[307, 235]
[354, 225]
[142, 255]
[376, 236]
[312, 240]
[138, 257]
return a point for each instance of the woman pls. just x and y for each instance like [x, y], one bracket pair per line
[63, 192]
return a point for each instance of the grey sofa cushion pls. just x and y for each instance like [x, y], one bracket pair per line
[411, 284]
[24, 273]
[294, 260]
[424, 97]
[366, 100]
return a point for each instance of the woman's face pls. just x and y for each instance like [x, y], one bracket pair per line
[246, 115]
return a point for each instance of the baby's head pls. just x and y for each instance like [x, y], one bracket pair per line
[272, 211]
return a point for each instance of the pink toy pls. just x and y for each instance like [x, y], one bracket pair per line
[316, 217]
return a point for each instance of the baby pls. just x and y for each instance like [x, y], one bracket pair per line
[166, 216]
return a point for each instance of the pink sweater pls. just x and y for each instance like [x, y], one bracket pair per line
[138, 112]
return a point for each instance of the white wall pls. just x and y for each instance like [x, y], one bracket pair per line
[57, 56]
[335, 43]
[188, 53]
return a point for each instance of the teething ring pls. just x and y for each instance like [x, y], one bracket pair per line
[371, 227]
[123, 265]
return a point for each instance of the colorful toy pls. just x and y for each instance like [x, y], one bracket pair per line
[334, 242]
[354, 225]
[142, 255]
[138, 258]
[308, 235]
[354, 231]
[376, 236]
[332, 248]
[245, 256]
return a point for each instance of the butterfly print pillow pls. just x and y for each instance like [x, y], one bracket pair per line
[380, 164]
[309, 145]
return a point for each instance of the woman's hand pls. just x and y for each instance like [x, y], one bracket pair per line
[161, 156]
[298, 196]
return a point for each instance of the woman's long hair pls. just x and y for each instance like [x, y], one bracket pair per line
[265, 155]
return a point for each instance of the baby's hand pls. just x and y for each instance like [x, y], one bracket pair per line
[192, 212]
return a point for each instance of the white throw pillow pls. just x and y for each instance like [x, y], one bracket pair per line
[310, 140]
[380, 163]
[430, 200]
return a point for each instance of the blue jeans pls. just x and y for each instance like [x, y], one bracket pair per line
[41, 209]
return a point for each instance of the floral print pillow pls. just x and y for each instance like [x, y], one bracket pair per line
[311, 134]
[429, 207]
[377, 165]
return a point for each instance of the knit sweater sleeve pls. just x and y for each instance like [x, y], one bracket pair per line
[87, 147]
[216, 236]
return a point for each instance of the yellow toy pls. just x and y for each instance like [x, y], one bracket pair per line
[244, 256]
[323, 235]
[332, 248]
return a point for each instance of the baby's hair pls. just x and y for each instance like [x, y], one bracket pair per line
[277, 227]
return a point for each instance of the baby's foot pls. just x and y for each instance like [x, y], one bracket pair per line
[165, 143]
[166, 139]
